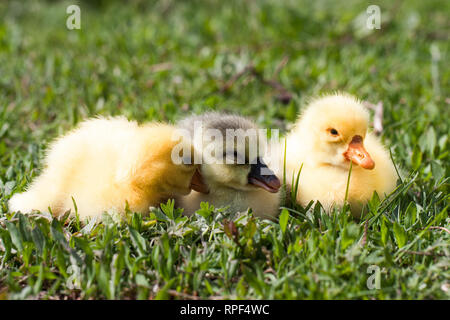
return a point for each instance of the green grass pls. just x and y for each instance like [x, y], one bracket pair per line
[163, 60]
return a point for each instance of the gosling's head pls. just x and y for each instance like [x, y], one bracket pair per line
[335, 127]
[231, 153]
[172, 178]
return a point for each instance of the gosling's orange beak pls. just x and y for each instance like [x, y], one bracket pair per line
[358, 155]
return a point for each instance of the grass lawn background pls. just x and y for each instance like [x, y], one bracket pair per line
[163, 60]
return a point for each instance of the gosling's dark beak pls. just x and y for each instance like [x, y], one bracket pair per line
[198, 184]
[261, 176]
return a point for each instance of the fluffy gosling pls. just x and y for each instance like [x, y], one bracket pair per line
[330, 134]
[103, 164]
[241, 183]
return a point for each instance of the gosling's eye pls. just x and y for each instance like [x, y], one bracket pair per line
[234, 157]
[334, 132]
[239, 159]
